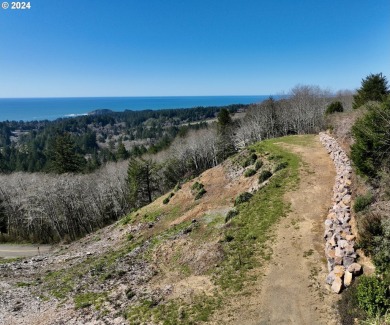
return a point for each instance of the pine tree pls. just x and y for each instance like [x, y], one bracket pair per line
[374, 88]
[142, 180]
[64, 158]
[121, 153]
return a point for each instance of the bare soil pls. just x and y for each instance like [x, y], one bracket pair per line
[292, 289]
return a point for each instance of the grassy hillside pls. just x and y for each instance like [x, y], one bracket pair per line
[182, 257]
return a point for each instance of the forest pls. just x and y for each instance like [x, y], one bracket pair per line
[61, 201]
[84, 143]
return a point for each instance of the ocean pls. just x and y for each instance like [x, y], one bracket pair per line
[29, 109]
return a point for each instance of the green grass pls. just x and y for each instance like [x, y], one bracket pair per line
[173, 312]
[90, 299]
[251, 228]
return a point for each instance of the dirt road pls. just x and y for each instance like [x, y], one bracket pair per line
[292, 289]
[11, 251]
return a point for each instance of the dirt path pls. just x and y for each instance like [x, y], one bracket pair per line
[292, 289]
[10, 251]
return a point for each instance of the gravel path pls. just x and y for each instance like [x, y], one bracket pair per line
[11, 251]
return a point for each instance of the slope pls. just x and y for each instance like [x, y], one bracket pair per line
[190, 259]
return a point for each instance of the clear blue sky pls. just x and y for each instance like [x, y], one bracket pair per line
[185, 47]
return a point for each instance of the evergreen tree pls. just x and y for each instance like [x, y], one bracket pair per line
[3, 218]
[64, 158]
[142, 180]
[225, 133]
[371, 150]
[121, 153]
[374, 88]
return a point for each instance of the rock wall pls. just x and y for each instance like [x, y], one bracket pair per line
[339, 246]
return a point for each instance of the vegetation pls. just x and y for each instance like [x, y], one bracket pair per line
[374, 88]
[362, 202]
[369, 298]
[243, 197]
[372, 140]
[249, 172]
[264, 175]
[335, 107]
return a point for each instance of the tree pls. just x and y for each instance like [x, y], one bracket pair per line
[122, 153]
[335, 107]
[374, 88]
[371, 150]
[64, 158]
[142, 180]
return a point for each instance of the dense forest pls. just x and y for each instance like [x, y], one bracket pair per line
[84, 143]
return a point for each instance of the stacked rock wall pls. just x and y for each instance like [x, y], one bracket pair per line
[339, 247]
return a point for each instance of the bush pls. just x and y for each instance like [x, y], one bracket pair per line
[197, 186]
[372, 140]
[201, 192]
[369, 228]
[250, 160]
[335, 107]
[264, 175]
[230, 215]
[362, 202]
[249, 172]
[177, 187]
[281, 166]
[348, 305]
[243, 197]
[258, 164]
[373, 295]
[166, 200]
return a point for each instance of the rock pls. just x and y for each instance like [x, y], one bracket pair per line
[337, 285]
[339, 271]
[347, 278]
[350, 237]
[347, 199]
[355, 268]
[348, 260]
[330, 278]
[339, 252]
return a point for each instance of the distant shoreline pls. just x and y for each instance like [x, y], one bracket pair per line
[33, 109]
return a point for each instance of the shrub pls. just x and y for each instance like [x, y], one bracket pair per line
[230, 215]
[197, 186]
[373, 295]
[369, 227]
[243, 197]
[335, 107]
[250, 160]
[166, 200]
[171, 195]
[264, 175]
[372, 140]
[201, 192]
[258, 164]
[348, 306]
[129, 293]
[249, 172]
[281, 166]
[362, 202]
[177, 187]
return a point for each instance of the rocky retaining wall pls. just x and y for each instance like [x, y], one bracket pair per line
[339, 247]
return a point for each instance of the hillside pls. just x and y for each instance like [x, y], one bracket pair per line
[191, 256]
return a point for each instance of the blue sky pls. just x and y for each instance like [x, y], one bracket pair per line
[184, 47]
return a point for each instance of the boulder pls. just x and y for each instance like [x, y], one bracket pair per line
[339, 271]
[355, 268]
[337, 285]
[347, 278]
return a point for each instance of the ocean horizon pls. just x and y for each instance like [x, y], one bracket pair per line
[30, 109]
